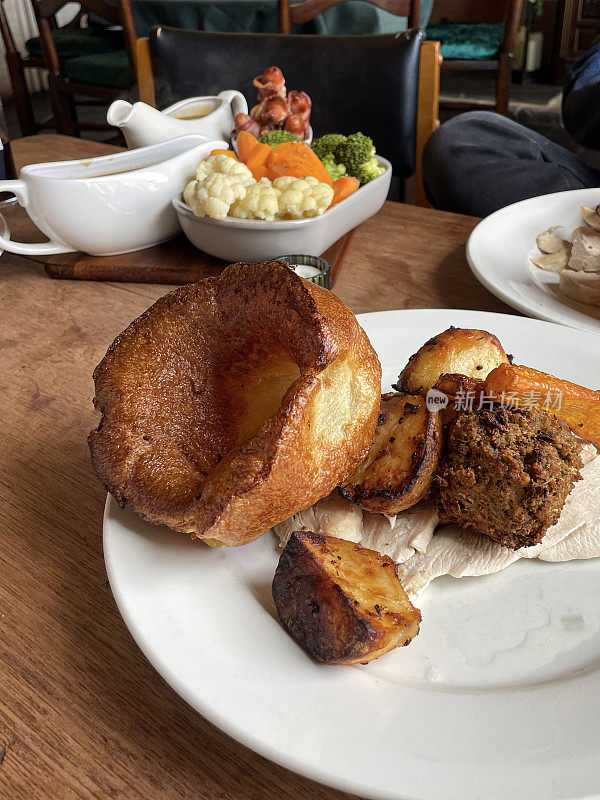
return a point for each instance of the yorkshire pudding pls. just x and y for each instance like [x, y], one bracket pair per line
[235, 402]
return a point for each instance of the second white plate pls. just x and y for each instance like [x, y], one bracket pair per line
[495, 699]
[498, 253]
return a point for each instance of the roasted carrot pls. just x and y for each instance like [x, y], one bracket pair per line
[229, 153]
[257, 160]
[246, 143]
[576, 406]
[297, 160]
[517, 378]
[343, 188]
[260, 172]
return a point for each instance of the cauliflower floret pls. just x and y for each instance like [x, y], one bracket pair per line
[224, 186]
[213, 196]
[225, 165]
[220, 181]
[302, 197]
[261, 202]
[188, 192]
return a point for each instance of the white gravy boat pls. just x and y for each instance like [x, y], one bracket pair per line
[108, 205]
[210, 116]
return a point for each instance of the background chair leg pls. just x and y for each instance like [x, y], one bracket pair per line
[503, 84]
[61, 108]
[21, 96]
[73, 115]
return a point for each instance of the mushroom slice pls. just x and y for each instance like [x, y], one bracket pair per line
[549, 242]
[591, 216]
[581, 286]
[553, 262]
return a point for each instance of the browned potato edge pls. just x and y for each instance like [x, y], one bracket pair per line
[342, 603]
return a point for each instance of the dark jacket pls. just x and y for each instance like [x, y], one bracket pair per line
[581, 99]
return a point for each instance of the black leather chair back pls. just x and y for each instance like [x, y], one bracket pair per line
[356, 83]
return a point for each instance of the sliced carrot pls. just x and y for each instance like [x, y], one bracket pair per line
[260, 172]
[257, 159]
[343, 188]
[246, 143]
[229, 153]
[298, 160]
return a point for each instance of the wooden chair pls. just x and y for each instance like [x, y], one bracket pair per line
[427, 103]
[99, 75]
[17, 64]
[501, 63]
[289, 14]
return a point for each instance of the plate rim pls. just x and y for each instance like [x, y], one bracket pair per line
[226, 724]
[504, 294]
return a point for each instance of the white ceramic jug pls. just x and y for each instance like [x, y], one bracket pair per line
[210, 116]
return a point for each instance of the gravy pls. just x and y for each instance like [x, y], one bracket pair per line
[194, 112]
[112, 171]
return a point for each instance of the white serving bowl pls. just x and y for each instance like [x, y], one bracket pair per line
[256, 240]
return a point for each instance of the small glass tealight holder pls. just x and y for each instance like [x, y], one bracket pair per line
[312, 268]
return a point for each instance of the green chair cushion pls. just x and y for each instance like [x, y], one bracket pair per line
[102, 69]
[476, 41]
[72, 43]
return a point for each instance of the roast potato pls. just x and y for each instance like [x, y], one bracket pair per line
[461, 393]
[235, 402]
[342, 603]
[453, 385]
[464, 351]
[399, 467]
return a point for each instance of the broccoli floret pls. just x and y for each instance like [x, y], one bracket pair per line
[369, 170]
[277, 136]
[324, 148]
[357, 153]
[326, 145]
[335, 170]
[355, 149]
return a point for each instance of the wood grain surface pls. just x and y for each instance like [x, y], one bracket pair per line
[173, 262]
[82, 714]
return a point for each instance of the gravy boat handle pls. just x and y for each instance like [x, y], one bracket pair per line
[50, 248]
[236, 100]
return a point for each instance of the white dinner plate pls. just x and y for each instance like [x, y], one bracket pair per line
[498, 253]
[496, 698]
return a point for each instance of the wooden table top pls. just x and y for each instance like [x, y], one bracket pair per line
[82, 713]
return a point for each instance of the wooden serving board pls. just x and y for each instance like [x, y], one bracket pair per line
[174, 262]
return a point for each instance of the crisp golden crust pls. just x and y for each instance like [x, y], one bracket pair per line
[235, 402]
[341, 602]
[464, 351]
[403, 458]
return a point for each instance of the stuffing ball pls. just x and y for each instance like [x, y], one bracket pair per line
[507, 473]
